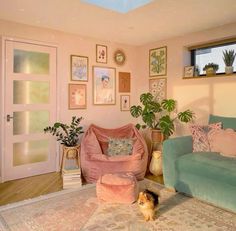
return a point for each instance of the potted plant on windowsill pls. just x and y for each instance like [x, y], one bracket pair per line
[159, 117]
[211, 69]
[228, 57]
[67, 135]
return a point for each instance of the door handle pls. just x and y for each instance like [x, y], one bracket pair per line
[9, 117]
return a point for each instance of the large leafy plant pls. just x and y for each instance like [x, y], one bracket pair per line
[67, 135]
[159, 115]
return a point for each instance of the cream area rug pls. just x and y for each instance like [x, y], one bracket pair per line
[72, 210]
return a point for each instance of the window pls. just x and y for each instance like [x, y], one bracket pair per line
[211, 54]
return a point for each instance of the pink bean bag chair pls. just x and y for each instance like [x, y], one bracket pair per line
[117, 188]
[95, 161]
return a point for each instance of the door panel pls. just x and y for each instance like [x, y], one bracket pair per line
[30, 105]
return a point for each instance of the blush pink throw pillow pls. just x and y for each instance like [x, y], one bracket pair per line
[223, 141]
[199, 135]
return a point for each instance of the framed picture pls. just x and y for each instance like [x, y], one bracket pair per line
[124, 82]
[77, 96]
[124, 102]
[104, 85]
[101, 53]
[79, 68]
[157, 87]
[188, 71]
[158, 61]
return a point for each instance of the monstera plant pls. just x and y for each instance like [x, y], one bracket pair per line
[159, 115]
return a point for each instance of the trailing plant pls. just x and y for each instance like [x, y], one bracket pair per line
[211, 65]
[67, 135]
[228, 57]
[159, 116]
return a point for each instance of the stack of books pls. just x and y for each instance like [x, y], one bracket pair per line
[71, 178]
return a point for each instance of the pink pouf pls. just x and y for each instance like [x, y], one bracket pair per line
[117, 188]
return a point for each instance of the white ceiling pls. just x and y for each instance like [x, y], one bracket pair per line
[158, 20]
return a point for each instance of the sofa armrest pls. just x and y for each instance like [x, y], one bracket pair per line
[173, 148]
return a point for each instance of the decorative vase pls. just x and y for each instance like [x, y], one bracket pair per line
[157, 136]
[229, 70]
[155, 166]
[210, 71]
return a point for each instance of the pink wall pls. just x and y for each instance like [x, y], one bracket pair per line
[107, 116]
[203, 96]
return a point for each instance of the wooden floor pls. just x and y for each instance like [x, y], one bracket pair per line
[22, 189]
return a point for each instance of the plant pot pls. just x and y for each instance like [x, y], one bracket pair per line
[229, 70]
[157, 136]
[71, 152]
[210, 71]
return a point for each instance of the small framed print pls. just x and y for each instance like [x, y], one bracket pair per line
[158, 61]
[101, 53]
[124, 82]
[188, 71]
[124, 102]
[79, 68]
[77, 96]
[157, 87]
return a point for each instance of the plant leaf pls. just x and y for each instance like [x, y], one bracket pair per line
[136, 111]
[168, 104]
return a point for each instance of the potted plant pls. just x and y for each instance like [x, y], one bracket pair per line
[228, 57]
[211, 69]
[160, 117]
[67, 135]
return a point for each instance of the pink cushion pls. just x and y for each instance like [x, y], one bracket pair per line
[117, 188]
[199, 134]
[223, 141]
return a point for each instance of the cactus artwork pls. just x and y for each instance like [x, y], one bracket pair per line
[157, 61]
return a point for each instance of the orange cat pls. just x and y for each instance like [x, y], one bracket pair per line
[147, 202]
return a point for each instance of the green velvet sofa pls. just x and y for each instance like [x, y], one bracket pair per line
[208, 176]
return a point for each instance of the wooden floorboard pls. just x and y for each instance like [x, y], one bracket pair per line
[26, 188]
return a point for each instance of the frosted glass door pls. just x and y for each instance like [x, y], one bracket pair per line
[30, 106]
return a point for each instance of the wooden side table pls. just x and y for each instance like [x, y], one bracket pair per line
[70, 153]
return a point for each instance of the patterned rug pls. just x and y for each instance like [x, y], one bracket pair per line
[72, 210]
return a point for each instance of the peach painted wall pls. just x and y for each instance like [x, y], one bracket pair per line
[203, 96]
[107, 116]
[67, 44]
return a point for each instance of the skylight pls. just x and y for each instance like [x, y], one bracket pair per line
[121, 6]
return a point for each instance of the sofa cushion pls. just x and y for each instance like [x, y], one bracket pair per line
[223, 141]
[199, 134]
[120, 146]
[208, 165]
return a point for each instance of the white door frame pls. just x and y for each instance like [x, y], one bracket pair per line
[3, 40]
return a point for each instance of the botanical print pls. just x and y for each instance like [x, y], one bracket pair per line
[79, 68]
[157, 87]
[124, 102]
[77, 96]
[157, 61]
[101, 54]
[104, 85]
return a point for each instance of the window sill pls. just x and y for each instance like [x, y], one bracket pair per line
[207, 77]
